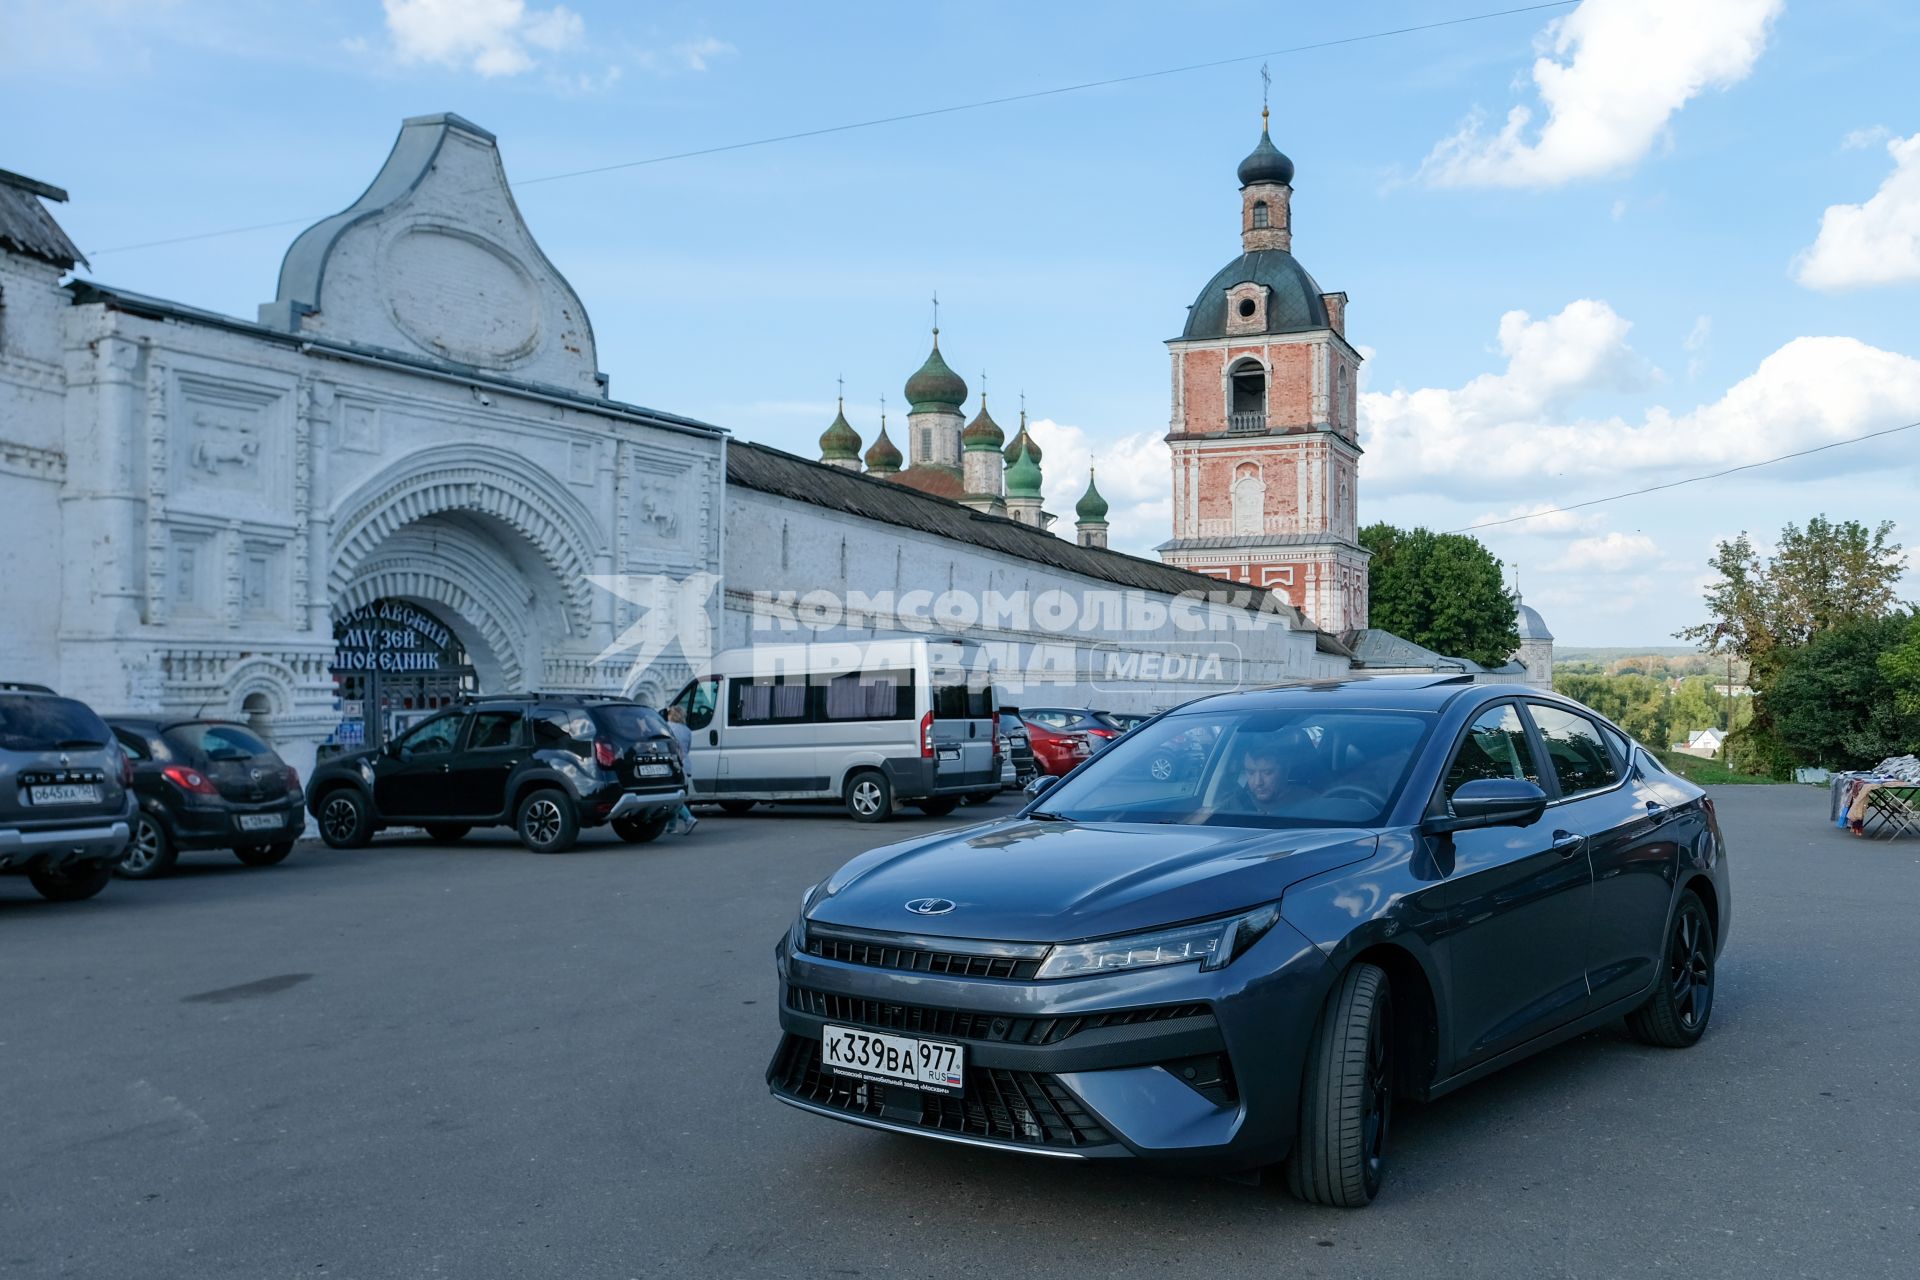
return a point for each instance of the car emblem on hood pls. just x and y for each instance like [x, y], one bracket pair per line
[930, 906]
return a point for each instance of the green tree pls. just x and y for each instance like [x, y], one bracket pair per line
[1901, 667]
[1636, 703]
[1831, 702]
[1441, 590]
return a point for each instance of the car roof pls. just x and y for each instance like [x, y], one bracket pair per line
[1403, 693]
[160, 724]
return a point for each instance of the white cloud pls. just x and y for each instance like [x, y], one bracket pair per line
[492, 37]
[1608, 553]
[1611, 75]
[1134, 473]
[1697, 336]
[1860, 139]
[694, 55]
[1513, 433]
[1873, 243]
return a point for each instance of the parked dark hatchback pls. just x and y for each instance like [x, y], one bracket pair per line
[547, 765]
[1367, 890]
[66, 807]
[1019, 746]
[206, 784]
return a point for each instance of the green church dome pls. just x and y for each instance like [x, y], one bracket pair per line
[983, 432]
[1092, 508]
[934, 385]
[883, 458]
[1023, 477]
[839, 440]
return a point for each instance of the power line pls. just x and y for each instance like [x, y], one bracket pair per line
[1675, 484]
[979, 105]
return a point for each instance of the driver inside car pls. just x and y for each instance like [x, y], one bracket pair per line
[1268, 782]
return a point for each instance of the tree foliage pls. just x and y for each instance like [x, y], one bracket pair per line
[1832, 702]
[1901, 667]
[1441, 590]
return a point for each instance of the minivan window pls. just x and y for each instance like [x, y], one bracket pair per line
[1580, 759]
[216, 742]
[698, 700]
[37, 722]
[868, 695]
[962, 700]
[781, 700]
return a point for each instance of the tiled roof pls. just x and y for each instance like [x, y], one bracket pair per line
[767, 470]
[25, 225]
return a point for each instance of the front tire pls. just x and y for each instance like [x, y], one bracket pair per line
[264, 855]
[642, 830]
[1346, 1098]
[869, 796]
[344, 821]
[74, 882]
[547, 821]
[150, 854]
[1675, 1015]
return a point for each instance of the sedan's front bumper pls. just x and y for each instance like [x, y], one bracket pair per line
[1174, 1065]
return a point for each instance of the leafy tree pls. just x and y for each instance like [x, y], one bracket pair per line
[1441, 590]
[1900, 666]
[1819, 578]
[1636, 703]
[1831, 702]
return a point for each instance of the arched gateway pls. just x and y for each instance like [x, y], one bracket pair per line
[392, 489]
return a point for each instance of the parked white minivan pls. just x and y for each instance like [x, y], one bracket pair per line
[871, 723]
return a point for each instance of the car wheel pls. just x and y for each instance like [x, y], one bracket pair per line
[937, 806]
[344, 823]
[264, 855]
[736, 807]
[73, 882]
[547, 822]
[869, 796]
[150, 854]
[1675, 1015]
[1346, 1098]
[446, 832]
[642, 830]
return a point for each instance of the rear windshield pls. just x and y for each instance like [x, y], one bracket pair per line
[1011, 724]
[953, 700]
[630, 722]
[37, 722]
[216, 742]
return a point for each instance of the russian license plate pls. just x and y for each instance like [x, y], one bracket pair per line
[932, 1065]
[949, 753]
[655, 771]
[65, 793]
[259, 821]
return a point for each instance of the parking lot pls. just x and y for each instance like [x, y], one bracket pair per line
[473, 1061]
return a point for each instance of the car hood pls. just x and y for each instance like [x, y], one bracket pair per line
[1032, 881]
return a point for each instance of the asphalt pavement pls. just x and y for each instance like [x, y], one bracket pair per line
[471, 1061]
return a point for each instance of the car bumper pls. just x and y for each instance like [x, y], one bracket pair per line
[918, 779]
[58, 846]
[222, 828]
[635, 802]
[1171, 1065]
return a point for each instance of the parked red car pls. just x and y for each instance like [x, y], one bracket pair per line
[1055, 752]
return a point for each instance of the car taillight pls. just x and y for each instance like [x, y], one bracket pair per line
[293, 778]
[926, 736]
[190, 780]
[603, 753]
[997, 740]
[126, 770]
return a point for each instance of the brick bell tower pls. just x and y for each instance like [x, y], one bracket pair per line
[1265, 459]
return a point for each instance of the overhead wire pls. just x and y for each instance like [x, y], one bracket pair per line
[978, 105]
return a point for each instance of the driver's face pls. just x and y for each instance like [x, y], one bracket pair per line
[1261, 777]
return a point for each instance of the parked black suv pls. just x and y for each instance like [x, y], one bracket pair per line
[546, 765]
[66, 806]
[206, 784]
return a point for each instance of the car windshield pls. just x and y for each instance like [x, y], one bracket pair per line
[630, 722]
[1284, 767]
[36, 722]
[213, 743]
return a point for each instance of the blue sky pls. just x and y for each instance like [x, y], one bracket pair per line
[1701, 247]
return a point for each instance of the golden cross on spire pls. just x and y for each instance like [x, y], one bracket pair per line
[843, 391]
[983, 388]
[1266, 82]
[936, 317]
[883, 413]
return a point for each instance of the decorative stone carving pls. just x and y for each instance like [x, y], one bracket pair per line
[222, 438]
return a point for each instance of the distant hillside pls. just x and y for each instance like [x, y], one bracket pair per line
[1603, 657]
[1669, 661]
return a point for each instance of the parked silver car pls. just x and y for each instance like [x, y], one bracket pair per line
[66, 800]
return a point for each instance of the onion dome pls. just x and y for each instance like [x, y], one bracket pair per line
[1092, 508]
[1531, 625]
[934, 385]
[840, 441]
[1265, 163]
[882, 457]
[1021, 440]
[983, 432]
[1023, 477]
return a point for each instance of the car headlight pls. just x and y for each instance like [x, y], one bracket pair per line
[797, 934]
[1215, 944]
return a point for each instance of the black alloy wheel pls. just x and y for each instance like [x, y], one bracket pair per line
[446, 832]
[72, 883]
[1346, 1098]
[1675, 1015]
[547, 822]
[151, 852]
[344, 823]
[263, 855]
[642, 830]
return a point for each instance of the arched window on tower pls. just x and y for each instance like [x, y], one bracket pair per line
[1249, 499]
[1259, 213]
[1247, 410]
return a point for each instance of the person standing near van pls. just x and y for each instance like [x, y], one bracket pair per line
[683, 820]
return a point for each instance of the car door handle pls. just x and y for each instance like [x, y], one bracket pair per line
[1566, 843]
[713, 737]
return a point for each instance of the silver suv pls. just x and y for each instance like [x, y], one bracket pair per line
[66, 803]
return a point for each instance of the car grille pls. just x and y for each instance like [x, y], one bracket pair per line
[959, 1025]
[914, 960]
[1020, 1107]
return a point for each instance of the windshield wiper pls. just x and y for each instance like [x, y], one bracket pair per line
[1041, 815]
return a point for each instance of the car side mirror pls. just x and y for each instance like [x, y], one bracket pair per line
[1040, 784]
[1490, 802]
[391, 750]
